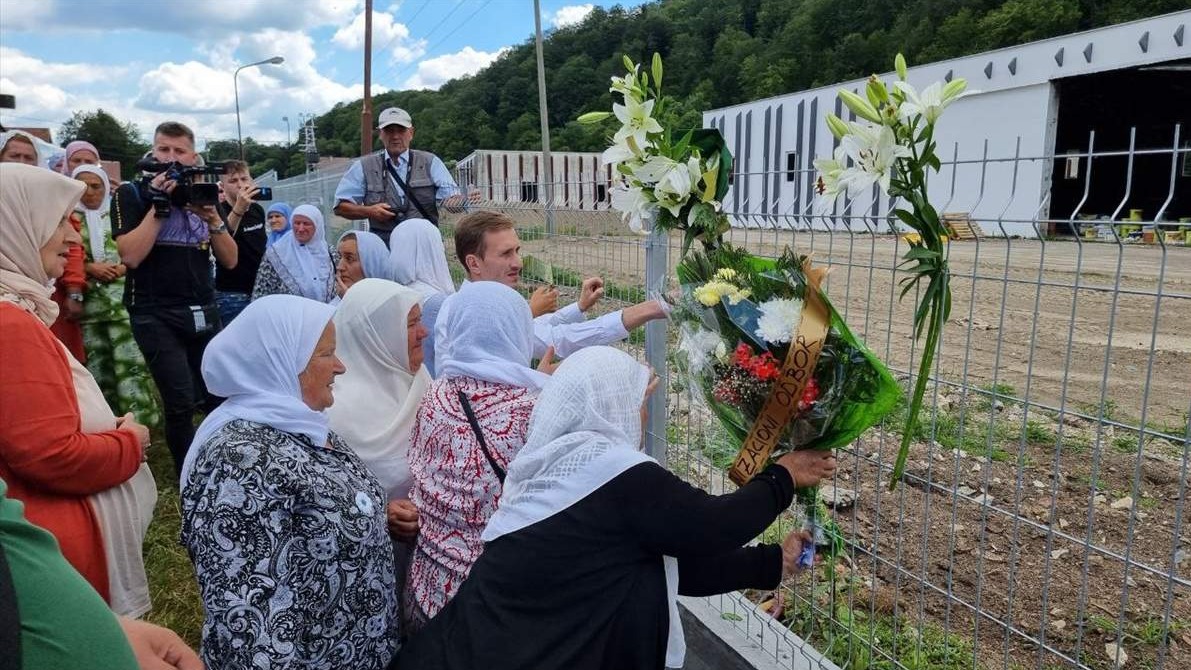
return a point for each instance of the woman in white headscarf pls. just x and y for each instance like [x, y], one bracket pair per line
[594, 539]
[77, 467]
[300, 263]
[18, 146]
[486, 371]
[361, 255]
[380, 336]
[112, 355]
[285, 525]
[419, 258]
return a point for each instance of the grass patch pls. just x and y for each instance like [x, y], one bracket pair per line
[176, 601]
[1126, 444]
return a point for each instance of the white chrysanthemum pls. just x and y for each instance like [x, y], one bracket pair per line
[779, 319]
[699, 345]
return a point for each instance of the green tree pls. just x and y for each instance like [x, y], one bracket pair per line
[116, 140]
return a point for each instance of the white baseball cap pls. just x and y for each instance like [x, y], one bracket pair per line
[395, 115]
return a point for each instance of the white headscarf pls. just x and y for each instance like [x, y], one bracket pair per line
[374, 255]
[99, 226]
[419, 258]
[309, 263]
[6, 137]
[584, 431]
[485, 331]
[255, 361]
[376, 400]
[33, 201]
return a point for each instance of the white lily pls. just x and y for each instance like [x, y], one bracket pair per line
[637, 121]
[874, 150]
[619, 152]
[626, 85]
[827, 185]
[931, 102]
[635, 207]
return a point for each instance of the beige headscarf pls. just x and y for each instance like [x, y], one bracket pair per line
[33, 201]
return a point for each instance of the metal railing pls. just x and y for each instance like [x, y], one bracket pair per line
[1041, 521]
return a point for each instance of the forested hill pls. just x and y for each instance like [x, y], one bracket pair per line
[717, 52]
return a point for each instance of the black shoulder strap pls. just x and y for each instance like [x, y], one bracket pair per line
[475, 426]
[405, 187]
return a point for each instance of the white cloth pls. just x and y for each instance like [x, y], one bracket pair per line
[374, 255]
[376, 400]
[124, 511]
[585, 430]
[38, 145]
[419, 258]
[485, 331]
[33, 201]
[309, 263]
[254, 363]
[99, 224]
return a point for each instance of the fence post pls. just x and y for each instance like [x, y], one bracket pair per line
[657, 245]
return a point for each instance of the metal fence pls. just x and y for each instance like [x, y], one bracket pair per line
[1041, 520]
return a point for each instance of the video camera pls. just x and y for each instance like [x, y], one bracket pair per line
[195, 185]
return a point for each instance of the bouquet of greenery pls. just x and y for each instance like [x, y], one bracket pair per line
[760, 340]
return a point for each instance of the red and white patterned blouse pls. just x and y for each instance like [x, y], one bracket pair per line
[455, 489]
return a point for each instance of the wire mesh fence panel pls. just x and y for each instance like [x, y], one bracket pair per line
[1041, 522]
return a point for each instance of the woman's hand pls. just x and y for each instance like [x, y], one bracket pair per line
[129, 424]
[791, 550]
[548, 365]
[158, 648]
[104, 272]
[543, 301]
[808, 467]
[403, 519]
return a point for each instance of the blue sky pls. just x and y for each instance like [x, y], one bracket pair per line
[151, 60]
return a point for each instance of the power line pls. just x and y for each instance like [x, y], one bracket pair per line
[431, 32]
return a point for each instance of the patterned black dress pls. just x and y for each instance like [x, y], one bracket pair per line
[292, 553]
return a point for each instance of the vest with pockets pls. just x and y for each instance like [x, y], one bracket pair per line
[380, 187]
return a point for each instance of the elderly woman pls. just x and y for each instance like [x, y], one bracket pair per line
[380, 336]
[420, 262]
[469, 426]
[17, 146]
[285, 525]
[111, 352]
[79, 152]
[588, 519]
[361, 255]
[300, 263]
[277, 220]
[76, 466]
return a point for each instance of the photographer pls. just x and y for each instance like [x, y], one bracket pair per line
[167, 242]
[245, 221]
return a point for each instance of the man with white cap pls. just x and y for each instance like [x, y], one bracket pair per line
[397, 182]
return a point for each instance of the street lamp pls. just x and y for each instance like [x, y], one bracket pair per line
[275, 60]
[286, 119]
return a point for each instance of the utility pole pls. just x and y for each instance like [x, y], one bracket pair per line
[366, 110]
[546, 161]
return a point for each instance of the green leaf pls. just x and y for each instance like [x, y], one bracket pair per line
[909, 219]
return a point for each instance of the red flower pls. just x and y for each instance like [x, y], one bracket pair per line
[724, 392]
[743, 355]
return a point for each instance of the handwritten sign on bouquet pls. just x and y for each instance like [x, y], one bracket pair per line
[782, 403]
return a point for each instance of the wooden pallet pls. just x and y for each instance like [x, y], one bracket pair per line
[960, 226]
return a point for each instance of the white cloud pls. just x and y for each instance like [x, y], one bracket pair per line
[434, 72]
[571, 14]
[19, 66]
[189, 18]
[386, 34]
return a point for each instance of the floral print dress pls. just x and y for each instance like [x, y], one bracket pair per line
[290, 544]
[113, 357]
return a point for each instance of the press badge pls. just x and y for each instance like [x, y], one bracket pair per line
[200, 319]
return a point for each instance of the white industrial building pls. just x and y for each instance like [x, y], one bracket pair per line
[1036, 102]
[580, 180]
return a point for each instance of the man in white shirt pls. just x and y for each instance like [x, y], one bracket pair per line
[488, 247]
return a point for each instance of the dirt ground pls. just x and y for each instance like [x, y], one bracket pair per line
[1043, 557]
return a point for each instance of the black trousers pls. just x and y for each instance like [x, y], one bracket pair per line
[174, 354]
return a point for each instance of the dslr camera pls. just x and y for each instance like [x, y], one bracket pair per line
[196, 185]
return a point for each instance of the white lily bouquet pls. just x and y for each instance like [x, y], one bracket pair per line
[893, 145]
[667, 183]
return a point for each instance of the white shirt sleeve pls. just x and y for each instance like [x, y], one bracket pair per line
[567, 338]
[569, 314]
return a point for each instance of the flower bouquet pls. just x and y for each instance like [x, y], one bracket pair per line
[771, 357]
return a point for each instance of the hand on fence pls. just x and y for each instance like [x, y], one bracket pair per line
[808, 467]
[543, 301]
[792, 550]
[403, 520]
[590, 294]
